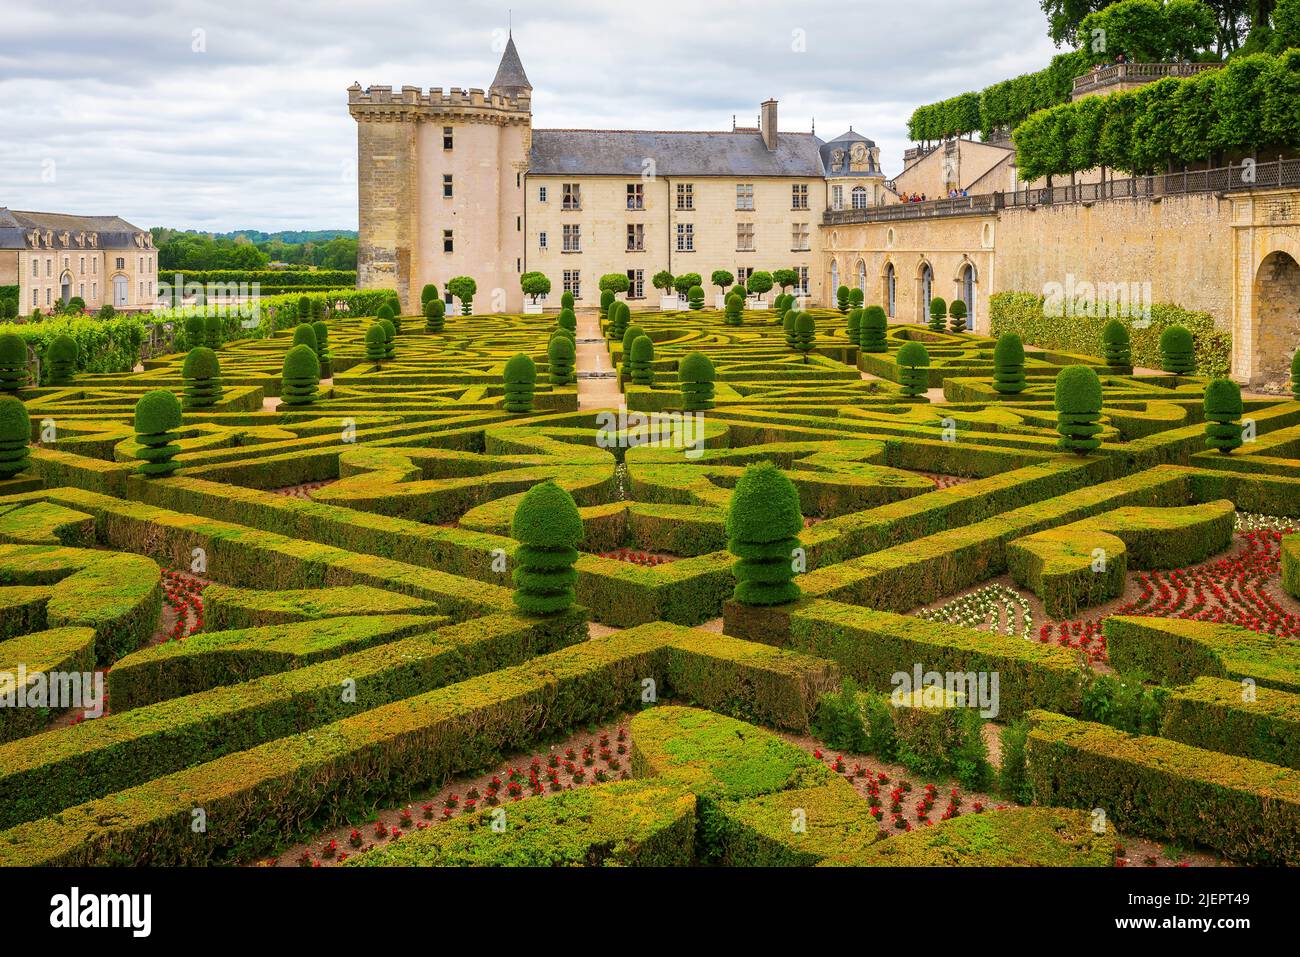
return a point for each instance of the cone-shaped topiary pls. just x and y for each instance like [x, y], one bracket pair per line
[912, 361]
[938, 313]
[643, 353]
[734, 307]
[957, 316]
[805, 334]
[874, 327]
[696, 375]
[434, 310]
[854, 330]
[212, 337]
[842, 298]
[390, 338]
[157, 421]
[300, 376]
[202, 375]
[548, 528]
[1116, 346]
[1177, 351]
[631, 335]
[375, 339]
[61, 357]
[15, 437]
[1295, 374]
[1223, 410]
[521, 382]
[763, 525]
[1078, 409]
[560, 355]
[13, 362]
[787, 328]
[695, 297]
[607, 298]
[1009, 364]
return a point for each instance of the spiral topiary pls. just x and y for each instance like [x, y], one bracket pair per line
[61, 357]
[1078, 409]
[299, 377]
[568, 323]
[388, 312]
[857, 297]
[875, 325]
[1223, 410]
[854, 328]
[376, 351]
[1116, 346]
[304, 307]
[560, 355]
[157, 425]
[842, 299]
[202, 375]
[734, 308]
[13, 362]
[805, 334]
[787, 328]
[696, 375]
[305, 335]
[620, 314]
[607, 298]
[1009, 364]
[548, 528]
[212, 336]
[15, 437]
[763, 525]
[1177, 351]
[323, 347]
[938, 313]
[434, 310]
[912, 361]
[957, 316]
[390, 338]
[520, 377]
[695, 297]
[631, 335]
[643, 353]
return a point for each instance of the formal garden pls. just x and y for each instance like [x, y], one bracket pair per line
[365, 588]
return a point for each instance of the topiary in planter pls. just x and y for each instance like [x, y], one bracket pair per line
[912, 361]
[696, 376]
[299, 377]
[62, 357]
[631, 335]
[212, 337]
[1177, 351]
[202, 375]
[157, 424]
[434, 311]
[13, 363]
[390, 338]
[1116, 346]
[566, 301]
[874, 327]
[938, 313]
[763, 525]
[842, 298]
[734, 307]
[695, 297]
[1078, 409]
[1223, 410]
[15, 437]
[1009, 364]
[560, 355]
[787, 327]
[607, 298]
[376, 351]
[805, 334]
[957, 316]
[854, 330]
[521, 382]
[643, 353]
[549, 529]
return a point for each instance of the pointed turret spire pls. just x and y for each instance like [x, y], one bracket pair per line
[511, 79]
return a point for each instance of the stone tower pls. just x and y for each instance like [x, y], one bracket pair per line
[440, 186]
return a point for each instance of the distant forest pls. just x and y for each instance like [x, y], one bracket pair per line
[253, 249]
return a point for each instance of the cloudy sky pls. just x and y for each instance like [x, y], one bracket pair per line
[232, 114]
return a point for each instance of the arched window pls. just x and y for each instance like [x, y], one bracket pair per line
[890, 287]
[862, 277]
[835, 278]
[859, 197]
[968, 293]
[927, 290]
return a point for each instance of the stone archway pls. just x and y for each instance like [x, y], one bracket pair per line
[1276, 297]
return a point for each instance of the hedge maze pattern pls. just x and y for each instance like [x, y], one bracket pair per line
[313, 615]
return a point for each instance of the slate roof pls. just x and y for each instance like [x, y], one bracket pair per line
[113, 231]
[844, 141]
[624, 152]
[510, 73]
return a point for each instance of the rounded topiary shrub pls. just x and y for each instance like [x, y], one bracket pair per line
[957, 316]
[854, 328]
[857, 297]
[842, 298]
[734, 307]
[322, 333]
[1078, 409]
[427, 294]
[61, 357]
[607, 298]
[560, 356]
[299, 377]
[1116, 344]
[194, 335]
[938, 313]
[1177, 351]
[875, 325]
[376, 350]
[568, 323]
[695, 297]
[390, 338]
[202, 375]
[805, 334]
[1009, 364]
[15, 437]
[763, 525]
[643, 353]
[13, 362]
[1223, 410]
[696, 375]
[304, 307]
[157, 424]
[630, 335]
[212, 336]
[520, 382]
[619, 316]
[549, 529]
[788, 328]
[913, 360]
[434, 311]
[566, 301]
[305, 335]
[385, 311]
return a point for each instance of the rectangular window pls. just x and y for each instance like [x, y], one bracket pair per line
[121, 263]
[448, 243]
[837, 197]
[36, 268]
[685, 237]
[82, 264]
[799, 238]
[636, 284]
[94, 267]
[541, 194]
[572, 284]
[36, 298]
[571, 196]
[49, 266]
[541, 240]
[802, 288]
[81, 290]
[635, 196]
[47, 297]
[742, 276]
[572, 238]
[685, 195]
[744, 195]
[799, 199]
[745, 237]
[94, 290]
[519, 224]
[635, 237]
[446, 137]
[446, 185]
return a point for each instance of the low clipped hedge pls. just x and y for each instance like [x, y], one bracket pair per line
[64, 650]
[1176, 651]
[1218, 715]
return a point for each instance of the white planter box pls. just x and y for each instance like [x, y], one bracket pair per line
[755, 302]
[669, 304]
[719, 301]
[533, 308]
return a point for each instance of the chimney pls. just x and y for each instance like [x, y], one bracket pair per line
[768, 124]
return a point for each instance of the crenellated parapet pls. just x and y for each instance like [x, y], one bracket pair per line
[414, 103]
